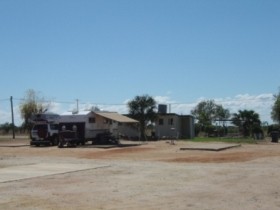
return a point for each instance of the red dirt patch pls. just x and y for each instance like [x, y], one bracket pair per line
[224, 157]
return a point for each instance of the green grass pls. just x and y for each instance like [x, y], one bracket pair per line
[222, 139]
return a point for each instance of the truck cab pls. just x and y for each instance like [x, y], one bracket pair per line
[45, 130]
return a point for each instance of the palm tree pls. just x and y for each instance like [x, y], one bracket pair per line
[142, 109]
[246, 120]
[275, 113]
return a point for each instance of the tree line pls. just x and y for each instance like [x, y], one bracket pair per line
[143, 108]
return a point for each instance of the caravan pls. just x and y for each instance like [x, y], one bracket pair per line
[95, 126]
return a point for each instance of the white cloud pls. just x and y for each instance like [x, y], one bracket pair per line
[259, 103]
[55, 107]
[5, 116]
[164, 100]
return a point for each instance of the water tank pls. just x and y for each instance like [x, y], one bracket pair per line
[162, 108]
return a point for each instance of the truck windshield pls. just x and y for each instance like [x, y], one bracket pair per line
[39, 127]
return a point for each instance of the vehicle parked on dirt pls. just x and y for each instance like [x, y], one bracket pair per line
[99, 127]
[45, 130]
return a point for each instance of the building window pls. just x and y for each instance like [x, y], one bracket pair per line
[170, 121]
[160, 121]
[91, 120]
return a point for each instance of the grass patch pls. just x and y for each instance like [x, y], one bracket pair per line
[226, 140]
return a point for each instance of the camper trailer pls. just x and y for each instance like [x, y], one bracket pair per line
[96, 126]
[99, 127]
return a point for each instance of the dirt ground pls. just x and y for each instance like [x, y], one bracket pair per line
[153, 175]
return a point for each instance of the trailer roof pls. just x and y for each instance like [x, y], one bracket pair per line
[116, 117]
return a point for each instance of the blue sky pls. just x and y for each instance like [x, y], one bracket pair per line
[108, 51]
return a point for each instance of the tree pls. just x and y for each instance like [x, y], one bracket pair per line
[221, 113]
[142, 108]
[6, 127]
[208, 111]
[31, 104]
[204, 112]
[247, 121]
[275, 113]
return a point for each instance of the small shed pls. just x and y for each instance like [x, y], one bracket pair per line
[170, 125]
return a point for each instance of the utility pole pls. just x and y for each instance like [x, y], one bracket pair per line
[12, 111]
[77, 105]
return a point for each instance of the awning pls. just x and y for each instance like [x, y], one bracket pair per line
[116, 117]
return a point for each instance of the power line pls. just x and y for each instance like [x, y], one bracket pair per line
[5, 99]
[224, 101]
[158, 102]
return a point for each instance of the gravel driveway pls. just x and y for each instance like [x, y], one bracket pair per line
[155, 175]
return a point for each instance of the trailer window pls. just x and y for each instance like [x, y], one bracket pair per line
[91, 120]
